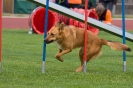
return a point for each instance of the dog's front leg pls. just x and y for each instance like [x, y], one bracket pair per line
[58, 56]
[60, 50]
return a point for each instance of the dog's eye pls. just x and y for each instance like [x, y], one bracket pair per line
[52, 34]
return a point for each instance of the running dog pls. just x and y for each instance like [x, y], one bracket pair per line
[70, 37]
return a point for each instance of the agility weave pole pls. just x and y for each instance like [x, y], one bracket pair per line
[79, 17]
[85, 35]
[123, 32]
[45, 34]
[0, 36]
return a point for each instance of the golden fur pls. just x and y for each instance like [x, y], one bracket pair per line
[70, 37]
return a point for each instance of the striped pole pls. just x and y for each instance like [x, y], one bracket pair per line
[85, 34]
[0, 36]
[123, 32]
[45, 34]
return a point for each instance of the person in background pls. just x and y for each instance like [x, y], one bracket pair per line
[114, 7]
[104, 14]
[62, 3]
[108, 4]
[69, 3]
[93, 3]
[90, 5]
[74, 3]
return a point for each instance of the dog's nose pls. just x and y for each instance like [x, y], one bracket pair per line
[45, 40]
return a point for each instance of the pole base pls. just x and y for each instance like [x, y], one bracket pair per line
[124, 66]
[84, 67]
[43, 67]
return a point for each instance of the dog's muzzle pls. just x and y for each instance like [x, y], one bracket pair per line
[47, 41]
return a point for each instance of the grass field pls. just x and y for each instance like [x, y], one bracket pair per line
[22, 64]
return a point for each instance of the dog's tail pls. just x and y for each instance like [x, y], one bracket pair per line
[115, 45]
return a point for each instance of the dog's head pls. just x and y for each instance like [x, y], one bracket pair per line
[55, 33]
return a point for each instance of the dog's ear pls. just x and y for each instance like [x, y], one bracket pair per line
[61, 27]
[57, 24]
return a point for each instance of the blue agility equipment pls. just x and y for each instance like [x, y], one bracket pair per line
[45, 34]
[123, 31]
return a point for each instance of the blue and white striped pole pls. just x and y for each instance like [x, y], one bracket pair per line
[45, 34]
[123, 32]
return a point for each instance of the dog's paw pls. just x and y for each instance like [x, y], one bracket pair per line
[80, 69]
[59, 58]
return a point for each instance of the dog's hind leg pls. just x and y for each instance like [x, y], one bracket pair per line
[91, 53]
[81, 53]
[81, 56]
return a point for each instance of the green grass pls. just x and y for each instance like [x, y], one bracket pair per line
[120, 16]
[22, 62]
